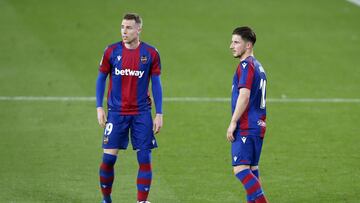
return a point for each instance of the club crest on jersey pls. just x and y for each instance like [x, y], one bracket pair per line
[119, 58]
[244, 64]
[143, 59]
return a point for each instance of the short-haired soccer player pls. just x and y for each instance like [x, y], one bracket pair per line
[247, 126]
[130, 65]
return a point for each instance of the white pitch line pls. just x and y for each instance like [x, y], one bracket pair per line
[196, 99]
[314, 100]
[356, 2]
[186, 99]
[44, 98]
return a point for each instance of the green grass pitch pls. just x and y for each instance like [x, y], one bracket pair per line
[50, 151]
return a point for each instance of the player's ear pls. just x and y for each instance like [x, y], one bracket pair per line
[248, 45]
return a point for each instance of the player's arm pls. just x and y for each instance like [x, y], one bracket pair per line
[241, 105]
[157, 95]
[100, 89]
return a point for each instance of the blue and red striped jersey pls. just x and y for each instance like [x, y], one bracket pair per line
[251, 75]
[130, 71]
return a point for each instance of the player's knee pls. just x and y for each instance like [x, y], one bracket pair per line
[253, 168]
[111, 151]
[239, 168]
[144, 156]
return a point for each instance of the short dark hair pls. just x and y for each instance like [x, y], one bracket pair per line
[133, 16]
[246, 34]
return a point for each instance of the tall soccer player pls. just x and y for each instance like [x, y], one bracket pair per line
[130, 65]
[247, 126]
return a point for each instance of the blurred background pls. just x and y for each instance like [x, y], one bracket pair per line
[50, 150]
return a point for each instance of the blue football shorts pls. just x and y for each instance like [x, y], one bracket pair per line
[246, 150]
[118, 127]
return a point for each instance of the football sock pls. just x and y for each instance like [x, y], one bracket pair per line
[252, 186]
[144, 174]
[261, 199]
[256, 173]
[107, 176]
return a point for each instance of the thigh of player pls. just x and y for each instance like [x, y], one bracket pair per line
[116, 132]
[142, 135]
[246, 150]
[258, 142]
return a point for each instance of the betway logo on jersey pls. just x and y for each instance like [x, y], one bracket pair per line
[129, 72]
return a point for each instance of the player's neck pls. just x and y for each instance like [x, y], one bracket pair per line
[132, 45]
[246, 54]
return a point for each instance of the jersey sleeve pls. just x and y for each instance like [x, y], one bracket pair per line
[245, 74]
[157, 93]
[100, 88]
[155, 63]
[105, 61]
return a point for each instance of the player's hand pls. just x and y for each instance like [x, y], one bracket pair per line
[101, 116]
[230, 132]
[158, 123]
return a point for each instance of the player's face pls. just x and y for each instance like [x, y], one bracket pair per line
[238, 46]
[130, 31]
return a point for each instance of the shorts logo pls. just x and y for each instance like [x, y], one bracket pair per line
[106, 139]
[143, 59]
[235, 158]
[243, 139]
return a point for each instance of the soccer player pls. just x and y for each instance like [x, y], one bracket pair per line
[130, 65]
[247, 126]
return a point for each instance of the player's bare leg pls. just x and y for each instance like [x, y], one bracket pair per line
[239, 168]
[111, 151]
[107, 173]
[251, 184]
